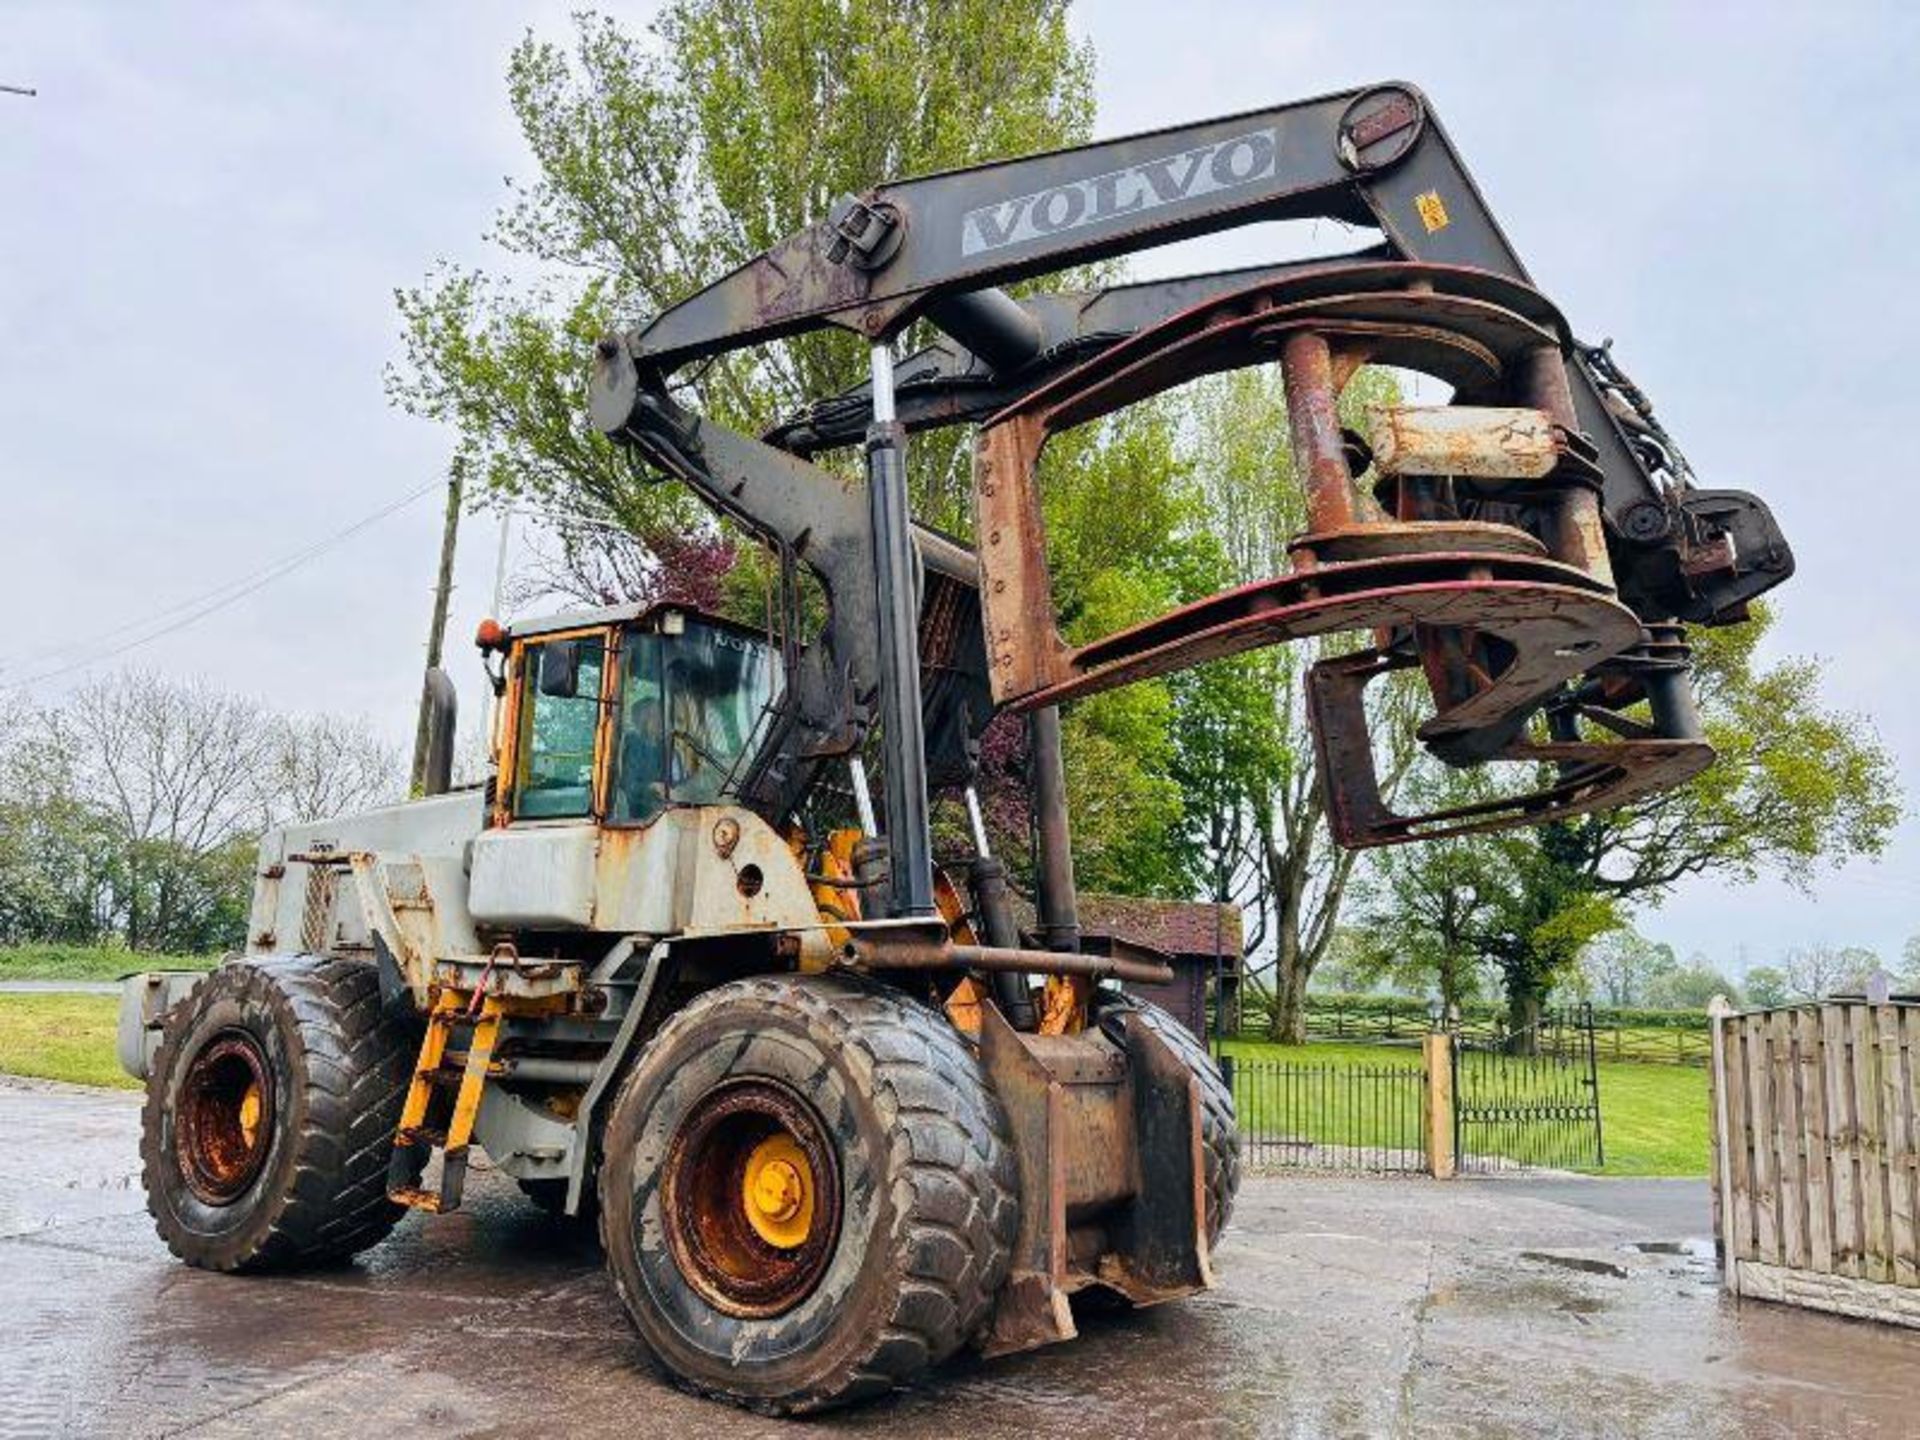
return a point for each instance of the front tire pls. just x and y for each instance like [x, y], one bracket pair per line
[270, 1112]
[808, 1195]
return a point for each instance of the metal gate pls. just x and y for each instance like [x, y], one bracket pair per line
[1531, 1098]
[1332, 1115]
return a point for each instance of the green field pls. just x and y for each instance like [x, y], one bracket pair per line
[82, 962]
[1653, 1117]
[61, 1037]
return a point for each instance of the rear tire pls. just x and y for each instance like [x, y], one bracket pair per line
[1219, 1130]
[910, 1209]
[271, 1107]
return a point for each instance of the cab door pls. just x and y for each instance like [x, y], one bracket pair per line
[559, 738]
[534, 868]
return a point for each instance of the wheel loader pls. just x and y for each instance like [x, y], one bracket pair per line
[842, 1111]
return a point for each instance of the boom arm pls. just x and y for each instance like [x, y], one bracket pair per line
[818, 519]
[935, 246]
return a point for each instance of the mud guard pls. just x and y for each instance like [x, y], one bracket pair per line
[1112, 1177]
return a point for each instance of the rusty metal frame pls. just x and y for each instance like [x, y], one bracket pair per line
[1503, 615]
[1589, 775]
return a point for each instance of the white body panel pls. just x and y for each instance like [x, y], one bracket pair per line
[294, 909]
[534, 877]
[439, 883]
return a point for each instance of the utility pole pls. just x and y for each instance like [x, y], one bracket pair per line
[437, 630]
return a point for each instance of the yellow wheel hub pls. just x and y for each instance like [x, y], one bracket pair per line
[777, 1192]
[250, 1114]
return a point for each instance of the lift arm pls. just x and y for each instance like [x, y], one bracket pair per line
[938, 246]
[815, 518]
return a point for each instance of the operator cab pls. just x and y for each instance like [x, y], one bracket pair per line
[617, 715]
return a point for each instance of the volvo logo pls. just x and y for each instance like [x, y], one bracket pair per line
[1184, 175]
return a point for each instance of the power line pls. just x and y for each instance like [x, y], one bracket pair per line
[272, 568]
[210, 602]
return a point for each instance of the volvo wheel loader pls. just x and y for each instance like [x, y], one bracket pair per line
[838, 1112]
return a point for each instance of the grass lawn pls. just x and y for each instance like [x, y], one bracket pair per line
[1653, 1118]
[83, 962]
[1612, 1042]
[61, 1037]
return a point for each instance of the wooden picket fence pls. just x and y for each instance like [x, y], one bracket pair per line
[1816, 1163]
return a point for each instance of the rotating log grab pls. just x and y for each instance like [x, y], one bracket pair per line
[1500, 619]
[1533, 548]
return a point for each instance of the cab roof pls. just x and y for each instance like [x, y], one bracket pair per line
[632, 613]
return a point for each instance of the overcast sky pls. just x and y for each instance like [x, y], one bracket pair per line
[206, 209]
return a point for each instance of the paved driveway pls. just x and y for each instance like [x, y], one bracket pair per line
[1347, 1307]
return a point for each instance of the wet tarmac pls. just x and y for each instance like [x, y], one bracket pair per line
[1346, 1307]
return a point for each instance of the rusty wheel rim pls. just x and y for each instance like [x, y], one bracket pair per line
[223, 1120]
[750, 1196]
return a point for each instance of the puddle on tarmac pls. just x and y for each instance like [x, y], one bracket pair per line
[1586, 1264]
[1693, 1249]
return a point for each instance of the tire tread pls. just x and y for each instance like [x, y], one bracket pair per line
[357, 1066]
[956, 1237]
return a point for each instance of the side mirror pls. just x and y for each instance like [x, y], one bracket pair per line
[560, 669]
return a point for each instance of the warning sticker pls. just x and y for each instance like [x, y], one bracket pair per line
[1433, 210]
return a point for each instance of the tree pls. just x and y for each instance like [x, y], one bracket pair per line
[1796, 787]
[1246, 753]
[1859, 964]
[594, 563]
[175, 767]
[1121, 517]
[132, 810]
[1541, 913]
[1422, 918]
[317, 766]
[667, 161]
[663, 162]
[1690, 986]
[1621, 964]
[1351, 965]
[57, 852]
[1814, 972]
[1767, 986]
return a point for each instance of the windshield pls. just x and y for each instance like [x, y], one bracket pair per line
[692, 708]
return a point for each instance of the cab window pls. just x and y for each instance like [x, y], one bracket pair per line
[693, 706]
[559, 718]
